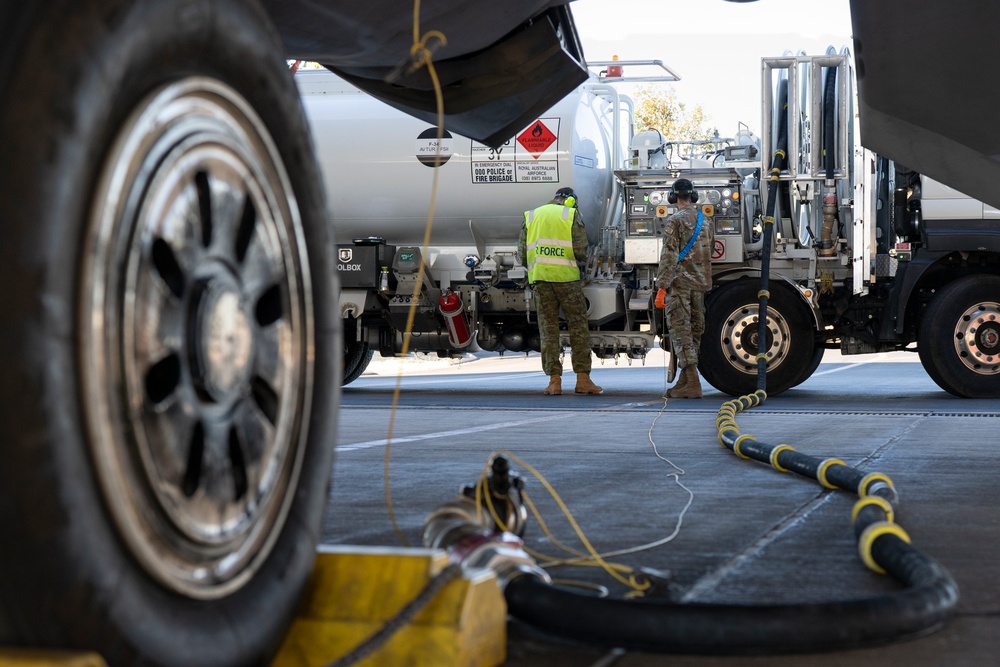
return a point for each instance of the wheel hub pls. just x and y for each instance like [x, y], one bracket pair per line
[223, 343]
[741, 335]
[977, 338]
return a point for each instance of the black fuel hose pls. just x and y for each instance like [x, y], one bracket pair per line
[666, 627]
[925, 603]
[829, 121]
[779, 160]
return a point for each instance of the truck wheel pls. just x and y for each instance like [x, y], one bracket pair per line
[357, 356]
[729, 345]
[169, 349]
[811, 367]
[959, 337]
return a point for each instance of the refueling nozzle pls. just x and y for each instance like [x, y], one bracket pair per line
[471, 534]
[504, 490]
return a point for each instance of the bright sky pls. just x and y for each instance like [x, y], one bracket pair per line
[715, 46]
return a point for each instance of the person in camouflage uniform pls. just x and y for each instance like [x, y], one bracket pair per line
[686, 281]
[553, 246]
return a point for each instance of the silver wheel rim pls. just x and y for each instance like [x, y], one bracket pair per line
[197, 338]
[740, 333]
[977, 338]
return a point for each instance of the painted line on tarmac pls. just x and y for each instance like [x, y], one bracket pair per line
[878, 357]
[382, 382]
[479, 428]
[841, 368]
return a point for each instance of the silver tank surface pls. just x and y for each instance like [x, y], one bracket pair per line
[378, 164]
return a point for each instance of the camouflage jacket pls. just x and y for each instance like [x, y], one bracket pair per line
[695, 270]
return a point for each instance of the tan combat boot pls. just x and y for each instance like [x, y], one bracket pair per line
[679, 386]
[555, 386]
[689, 386]
[584, 385]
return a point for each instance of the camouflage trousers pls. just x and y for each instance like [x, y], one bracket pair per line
[549, 297]
[686, 320]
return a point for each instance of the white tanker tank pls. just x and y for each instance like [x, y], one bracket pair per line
[379, 167]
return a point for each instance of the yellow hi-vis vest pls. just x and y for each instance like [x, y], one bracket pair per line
[550, 244]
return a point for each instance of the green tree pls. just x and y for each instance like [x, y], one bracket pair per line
[657, 108]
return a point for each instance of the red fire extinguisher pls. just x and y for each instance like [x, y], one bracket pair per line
[450, 304]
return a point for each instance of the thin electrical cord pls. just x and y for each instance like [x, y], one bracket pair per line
[584, 559]
[572, 521]
[420, 56]
[676, 475]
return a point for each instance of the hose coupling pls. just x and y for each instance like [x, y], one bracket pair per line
[454, 526]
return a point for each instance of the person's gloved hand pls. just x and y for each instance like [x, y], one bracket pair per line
[661, 298]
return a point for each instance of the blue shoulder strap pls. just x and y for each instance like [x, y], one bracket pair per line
[697, 230]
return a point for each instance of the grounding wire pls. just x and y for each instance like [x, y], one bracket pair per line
[420, 56]
[596, 559]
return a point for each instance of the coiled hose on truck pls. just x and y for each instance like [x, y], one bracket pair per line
[925, 603]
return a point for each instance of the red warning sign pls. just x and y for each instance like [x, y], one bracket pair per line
[718, 249]
[536, 139]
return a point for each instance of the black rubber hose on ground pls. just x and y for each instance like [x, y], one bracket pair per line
[666, 627]
[926, 602]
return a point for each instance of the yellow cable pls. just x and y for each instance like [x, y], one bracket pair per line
[421, 56]
[484, 498]
[609, 568]
[592, 559]
[581, 559]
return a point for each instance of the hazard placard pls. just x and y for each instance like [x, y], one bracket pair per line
[531, 156]
[536, 138]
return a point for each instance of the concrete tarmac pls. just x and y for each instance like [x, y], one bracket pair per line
[636, 471]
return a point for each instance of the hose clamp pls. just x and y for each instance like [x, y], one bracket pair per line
[882, 504]
[821, 472]
[872, 533]
[736, 445]
[870, 483]
[723, 421]
[722, 434]
[774, 457]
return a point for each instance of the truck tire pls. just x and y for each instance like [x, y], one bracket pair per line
[728, 359]
[959, 337]
[357, 356]
[811, 367]
[170, 350]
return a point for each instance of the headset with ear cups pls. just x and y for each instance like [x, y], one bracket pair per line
[684, 187]
[568, 196]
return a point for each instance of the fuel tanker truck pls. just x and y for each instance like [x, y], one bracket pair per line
[868, 256]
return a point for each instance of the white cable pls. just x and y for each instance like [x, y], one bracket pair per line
[676, 474]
